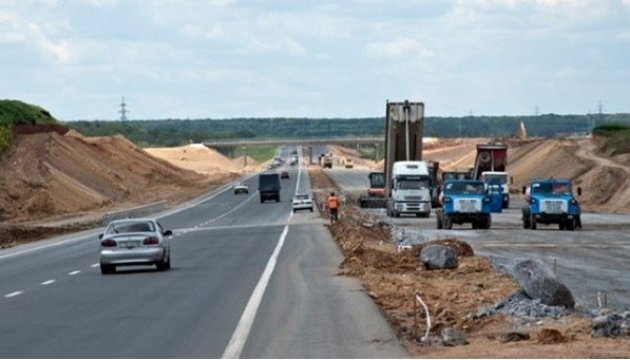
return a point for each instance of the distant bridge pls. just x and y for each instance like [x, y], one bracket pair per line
[296, 141]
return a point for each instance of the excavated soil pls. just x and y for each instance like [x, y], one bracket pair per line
[392, 276]
[70, 180]
[201, 159]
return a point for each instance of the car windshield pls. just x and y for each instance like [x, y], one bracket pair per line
[301, 197]
[465, 188]
[129, 227]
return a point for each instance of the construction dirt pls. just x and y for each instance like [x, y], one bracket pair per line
[393, 277]
[52, 184]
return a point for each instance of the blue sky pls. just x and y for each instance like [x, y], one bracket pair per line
[259, 58]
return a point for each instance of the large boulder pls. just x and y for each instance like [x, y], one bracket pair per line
[540, 283]
[436, 256]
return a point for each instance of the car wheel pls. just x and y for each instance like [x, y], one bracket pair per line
[108, 269]
[311, 209]
[164, 264]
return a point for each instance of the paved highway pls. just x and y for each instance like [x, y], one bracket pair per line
[594, 259]
[248, 280]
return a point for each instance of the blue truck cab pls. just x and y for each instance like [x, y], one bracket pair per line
[464, 201]
[551, 201]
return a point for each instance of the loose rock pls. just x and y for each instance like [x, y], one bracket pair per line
[453, 337]
[540, 283]
[438, 256]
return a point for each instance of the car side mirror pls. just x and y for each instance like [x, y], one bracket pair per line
[168, 233]
[100, 236]
[579, 191]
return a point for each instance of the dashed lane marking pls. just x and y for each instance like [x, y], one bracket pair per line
[49, 282]
[74, 272]
[13, 294]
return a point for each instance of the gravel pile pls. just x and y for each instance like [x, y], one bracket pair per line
[521, 305]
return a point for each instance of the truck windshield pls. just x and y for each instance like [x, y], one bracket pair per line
[461, 188]
[494, 178]
[551, 188]
[412, 184]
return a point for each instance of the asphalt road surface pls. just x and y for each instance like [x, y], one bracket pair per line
[594, 259]
[248, 280]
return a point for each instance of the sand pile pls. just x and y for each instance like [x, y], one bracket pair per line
[46, 175]
[197, 157]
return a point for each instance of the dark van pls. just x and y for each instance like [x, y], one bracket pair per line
[269, 187]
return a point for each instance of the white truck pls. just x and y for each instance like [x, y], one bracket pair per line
[410, 192]
[499, 178]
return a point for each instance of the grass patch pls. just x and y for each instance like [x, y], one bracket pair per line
[368, 151]
[616, 138]
[258, 153]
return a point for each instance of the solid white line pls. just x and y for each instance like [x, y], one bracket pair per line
[15, 293]
[74, 272]
[48, 282]
[237, 342]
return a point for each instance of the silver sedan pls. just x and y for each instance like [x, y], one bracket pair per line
[135, 242]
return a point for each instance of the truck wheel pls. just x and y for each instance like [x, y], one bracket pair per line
[448, 223]
[570, 225]
[362, 204]
[561, 225]
[487, 223]
[438, 220]
[475, 224]
[532, 222]
[396, 214]
[506, 204]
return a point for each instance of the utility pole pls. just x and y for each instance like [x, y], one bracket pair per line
[123, 110]
[600, 112]
[536, 111]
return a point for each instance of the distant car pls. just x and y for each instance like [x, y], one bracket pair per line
[284, 175]
[241, 189]
[135, 242]
[302, 202]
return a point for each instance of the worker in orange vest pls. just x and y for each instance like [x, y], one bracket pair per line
[333, 206]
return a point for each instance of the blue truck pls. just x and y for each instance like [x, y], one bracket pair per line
[464, 201]
[551, 201]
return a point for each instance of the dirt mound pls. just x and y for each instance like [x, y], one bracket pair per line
[47, 175]
[196, 157]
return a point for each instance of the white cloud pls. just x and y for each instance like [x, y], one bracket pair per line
[398, 48]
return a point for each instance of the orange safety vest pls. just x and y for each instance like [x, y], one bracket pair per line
[333, 203]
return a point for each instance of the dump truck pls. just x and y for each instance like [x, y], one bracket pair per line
[490, 167]
[551, 201]
[464, 201]
[410, 192]
[327, 161]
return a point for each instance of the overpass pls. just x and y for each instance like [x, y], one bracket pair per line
[296, 141]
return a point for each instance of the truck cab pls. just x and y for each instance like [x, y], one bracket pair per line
[502, 178]
[551, 201]
[410, 193]
[464, 201]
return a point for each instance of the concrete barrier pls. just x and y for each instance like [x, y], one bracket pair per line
[139, 211]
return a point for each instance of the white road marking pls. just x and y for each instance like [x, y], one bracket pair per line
[15, 293]
[94, 265]
[239, 337]
[48, 282]
[74, 272]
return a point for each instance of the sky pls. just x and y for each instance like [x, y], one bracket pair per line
[291, 58]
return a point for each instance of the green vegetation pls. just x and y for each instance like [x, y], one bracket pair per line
[174, 132]
[616, 137]
[258, 153]
[369, 151]
[14, 112]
